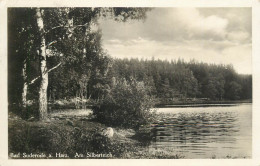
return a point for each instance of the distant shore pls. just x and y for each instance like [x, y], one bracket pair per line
[196, 102]
[201, 103]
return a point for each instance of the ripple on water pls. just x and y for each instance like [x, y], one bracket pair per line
[201, 132]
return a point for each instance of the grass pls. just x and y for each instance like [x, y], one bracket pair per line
[73, 135]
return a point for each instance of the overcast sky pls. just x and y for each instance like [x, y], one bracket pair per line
[213, 35]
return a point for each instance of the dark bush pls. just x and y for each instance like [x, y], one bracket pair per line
[127, 105]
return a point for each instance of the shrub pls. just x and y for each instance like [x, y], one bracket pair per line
[127, 105]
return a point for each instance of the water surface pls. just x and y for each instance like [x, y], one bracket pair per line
[205, 132]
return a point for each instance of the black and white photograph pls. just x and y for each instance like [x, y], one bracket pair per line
[129, 83]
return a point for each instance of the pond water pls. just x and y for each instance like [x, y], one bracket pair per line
[205, 132]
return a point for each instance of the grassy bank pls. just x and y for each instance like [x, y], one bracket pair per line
[75, 137]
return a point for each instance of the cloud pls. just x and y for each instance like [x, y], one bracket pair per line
[239, 19]
[199, 25]
[170, 24]
[212, 35]
[239, 36]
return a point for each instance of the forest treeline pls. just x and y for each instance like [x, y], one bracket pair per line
[165, 80]
[169, 79]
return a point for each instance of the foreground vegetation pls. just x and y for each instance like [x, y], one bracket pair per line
[73, 136]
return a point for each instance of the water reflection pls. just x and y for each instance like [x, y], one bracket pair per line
[204, 132]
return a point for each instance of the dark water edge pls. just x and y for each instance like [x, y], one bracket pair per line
[198, 105]
[223, 103]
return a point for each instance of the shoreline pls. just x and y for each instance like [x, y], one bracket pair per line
[64, 104]
[199, 105]
[203, 103]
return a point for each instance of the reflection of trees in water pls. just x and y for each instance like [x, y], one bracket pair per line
[196, 128]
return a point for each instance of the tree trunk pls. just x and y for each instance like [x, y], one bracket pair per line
[43, 68]
[25, 87]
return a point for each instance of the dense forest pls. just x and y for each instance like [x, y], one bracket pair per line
[186, 79]
[166, 80]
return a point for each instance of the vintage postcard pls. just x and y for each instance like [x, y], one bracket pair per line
[92, 83]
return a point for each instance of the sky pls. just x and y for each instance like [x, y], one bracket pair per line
[212, 35]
